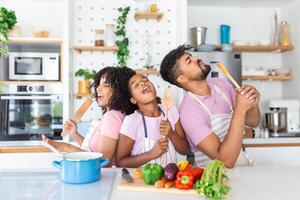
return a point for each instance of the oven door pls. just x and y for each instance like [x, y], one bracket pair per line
[27, 117]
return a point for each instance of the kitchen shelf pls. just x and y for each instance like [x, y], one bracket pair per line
[80, 48]
[35, 40]
[148, 15]
[272, 78]
[147, 71]
[259, 48]
[83, 96]
[30, 82]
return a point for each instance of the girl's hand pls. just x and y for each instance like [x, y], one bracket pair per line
[159, 148]
[71, 127]
[165, 128]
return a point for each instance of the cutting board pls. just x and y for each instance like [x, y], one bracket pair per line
[139, 186]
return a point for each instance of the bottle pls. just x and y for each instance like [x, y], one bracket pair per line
[284, 36]
[110, 35]
[225, 34]
[99, 38]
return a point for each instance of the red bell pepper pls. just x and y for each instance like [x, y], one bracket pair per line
[196, 171]
[184, 181]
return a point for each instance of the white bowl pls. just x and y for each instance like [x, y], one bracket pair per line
[205, 47]
[240, 43]
[264, 42]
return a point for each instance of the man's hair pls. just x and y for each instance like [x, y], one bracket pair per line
[117, 79]
[169, 68]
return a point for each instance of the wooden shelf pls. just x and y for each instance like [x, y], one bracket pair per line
[80, 48]
[147, 71]
[148, 15]
[35, 40]
[259, 48]
[31, 82]
[83, 96]
[272, 78]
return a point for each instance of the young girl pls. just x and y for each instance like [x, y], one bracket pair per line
[144, 134]
[109, 87]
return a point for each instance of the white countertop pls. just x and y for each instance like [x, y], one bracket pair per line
[272, 140]
[247, 183]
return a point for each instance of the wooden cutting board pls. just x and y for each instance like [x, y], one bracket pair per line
[139, 186]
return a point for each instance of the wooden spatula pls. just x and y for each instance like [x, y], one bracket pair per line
[224, 71]
[79, 112]
[167, 102]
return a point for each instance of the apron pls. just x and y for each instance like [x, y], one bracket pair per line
[220, 124]
[166, 158]
[86, 141]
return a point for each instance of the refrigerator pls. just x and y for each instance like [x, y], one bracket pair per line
[232, 61]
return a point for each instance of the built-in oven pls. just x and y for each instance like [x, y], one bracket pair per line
[35, 66]
[30, 113]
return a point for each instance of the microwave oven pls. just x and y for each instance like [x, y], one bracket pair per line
[30, 66]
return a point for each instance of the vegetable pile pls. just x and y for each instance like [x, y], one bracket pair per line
[213, 181]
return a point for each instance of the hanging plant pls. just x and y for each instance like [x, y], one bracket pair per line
[7, 21]
[122, 41]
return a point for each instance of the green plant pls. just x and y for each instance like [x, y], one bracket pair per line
[7, 21]
[122, 42]
[85, 73]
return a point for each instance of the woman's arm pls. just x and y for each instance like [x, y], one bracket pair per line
[107, 146]
[125, 146]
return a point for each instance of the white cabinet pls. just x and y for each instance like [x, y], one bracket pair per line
[27, 160]
[275, 156]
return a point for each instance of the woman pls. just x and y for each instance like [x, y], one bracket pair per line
[109, 87]
[144, 134]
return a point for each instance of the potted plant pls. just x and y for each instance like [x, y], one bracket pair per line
[7, 21]
[84, 86]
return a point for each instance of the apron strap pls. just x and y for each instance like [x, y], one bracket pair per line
[226, 99]
[201, 103]
[144, 122]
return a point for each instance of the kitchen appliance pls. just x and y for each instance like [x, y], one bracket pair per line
[283, 120]
[28, 111]
[198, 35]
[33, 66]
[81, 167]
[233, 62]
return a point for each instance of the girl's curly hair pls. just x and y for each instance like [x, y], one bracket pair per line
[117, 78]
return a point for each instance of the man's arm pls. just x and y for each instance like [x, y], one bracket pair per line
[229, 150]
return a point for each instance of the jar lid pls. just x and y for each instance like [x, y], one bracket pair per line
[99, 31]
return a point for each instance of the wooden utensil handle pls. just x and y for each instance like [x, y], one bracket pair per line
[233, 81]
[79, 113]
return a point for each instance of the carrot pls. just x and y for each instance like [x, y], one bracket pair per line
[160, 183]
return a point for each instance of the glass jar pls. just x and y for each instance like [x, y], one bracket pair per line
[99, 37]
[110, 35]
[284, 36]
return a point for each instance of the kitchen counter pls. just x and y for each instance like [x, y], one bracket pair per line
[247, 183]
[272, 142]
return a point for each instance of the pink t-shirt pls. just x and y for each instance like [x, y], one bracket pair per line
[195, 120]
[109, 126]
[133, 127]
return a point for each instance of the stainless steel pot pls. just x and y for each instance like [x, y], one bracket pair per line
[198, 35]
[275, 121]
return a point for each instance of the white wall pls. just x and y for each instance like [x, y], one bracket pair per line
[35, 13]
[291, 14]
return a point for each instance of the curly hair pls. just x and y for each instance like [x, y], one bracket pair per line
[118, 79]
[169, 68]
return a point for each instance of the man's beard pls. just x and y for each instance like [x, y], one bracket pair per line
[205, 72]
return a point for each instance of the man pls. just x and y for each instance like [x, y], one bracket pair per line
[212, 113]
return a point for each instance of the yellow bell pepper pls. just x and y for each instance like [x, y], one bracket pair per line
[182, 165]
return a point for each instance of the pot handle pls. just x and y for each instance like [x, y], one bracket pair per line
[103, 162]
[57, 164]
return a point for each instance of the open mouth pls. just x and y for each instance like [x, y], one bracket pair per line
[146, 90]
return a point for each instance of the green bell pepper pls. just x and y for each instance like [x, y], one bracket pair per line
[151, 173]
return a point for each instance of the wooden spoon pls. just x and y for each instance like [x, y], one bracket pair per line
[79, 113]
[224, 71]
[167, 102]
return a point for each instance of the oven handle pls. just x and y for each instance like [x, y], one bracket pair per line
[29, 97]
